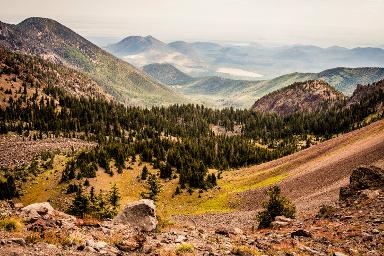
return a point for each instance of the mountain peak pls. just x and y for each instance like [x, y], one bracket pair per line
[136, 44]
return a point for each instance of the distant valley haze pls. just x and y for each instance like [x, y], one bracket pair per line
[349, 23]
[220, 53]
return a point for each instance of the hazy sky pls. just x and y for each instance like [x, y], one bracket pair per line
[321, 22]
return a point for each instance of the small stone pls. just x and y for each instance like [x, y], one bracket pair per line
[375, 231]
[301, 232]
[339, 254]
[283, 219]
[18, 206]
[236, 231]
[180, 239]
[96, 245]
[222, 231]
[19, 241]
[279, 223]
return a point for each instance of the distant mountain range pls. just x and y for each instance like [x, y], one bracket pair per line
[53, 41]
[200, 72]
[245, 62]
[223, 92]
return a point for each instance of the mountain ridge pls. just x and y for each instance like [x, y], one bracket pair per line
[51, 40]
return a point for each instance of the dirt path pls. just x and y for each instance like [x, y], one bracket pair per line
[314, 176]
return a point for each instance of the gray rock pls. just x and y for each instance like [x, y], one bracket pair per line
[19, 241]
[283, 219]
[37, 210]
[363, 177]
[140, 214]
[180, 239]
[18, 205]
[277, 224]
[339, 254]
[97, 245]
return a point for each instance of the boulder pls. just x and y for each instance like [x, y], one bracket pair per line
[362, 178]
[97, 245]
[226, 231]
[140, 214]
[37, 210]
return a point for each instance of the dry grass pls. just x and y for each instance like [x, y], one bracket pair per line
[184, 249]
[11, 224]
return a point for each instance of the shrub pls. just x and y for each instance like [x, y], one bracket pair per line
[11, 224]
[326, 211]
[244, 250]
[8, 188]
[184, 248]
[277, 205]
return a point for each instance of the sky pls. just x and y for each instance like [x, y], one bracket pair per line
[349, 23]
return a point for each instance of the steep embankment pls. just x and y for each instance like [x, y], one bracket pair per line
[311, 177]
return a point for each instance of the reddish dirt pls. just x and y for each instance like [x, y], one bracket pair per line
[317, 173]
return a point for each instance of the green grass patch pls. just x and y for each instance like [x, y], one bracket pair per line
[216, 204]
[264, 183]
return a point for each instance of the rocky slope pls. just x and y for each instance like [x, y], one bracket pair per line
[310, 96]
[365, 92]
[51, 40]
[354, 226]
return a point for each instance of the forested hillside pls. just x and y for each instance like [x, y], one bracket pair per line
[177, 140]
[53, 41]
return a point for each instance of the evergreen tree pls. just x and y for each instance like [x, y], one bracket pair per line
[277, 205]
[114, 197]
[144, 173]
[80, 204]
[8, 188]
[154, 188]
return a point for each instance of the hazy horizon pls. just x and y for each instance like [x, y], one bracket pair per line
[347, 23]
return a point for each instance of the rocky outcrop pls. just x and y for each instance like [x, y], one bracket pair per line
[363, 178]
[309, 96]
[140, 215]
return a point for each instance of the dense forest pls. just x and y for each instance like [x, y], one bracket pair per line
[177, 140]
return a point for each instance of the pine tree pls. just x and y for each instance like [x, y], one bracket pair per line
[277, 205]
[80, 204]
[114, 197]
[144, 173]
[154, 188]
